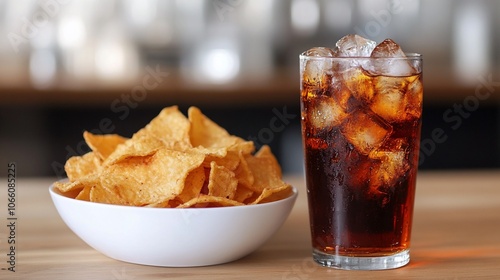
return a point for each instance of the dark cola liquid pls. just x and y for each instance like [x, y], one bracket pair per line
[360, 203]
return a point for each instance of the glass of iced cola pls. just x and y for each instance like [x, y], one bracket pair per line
[361, 106]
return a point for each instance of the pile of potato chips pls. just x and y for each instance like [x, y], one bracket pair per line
[174, 162]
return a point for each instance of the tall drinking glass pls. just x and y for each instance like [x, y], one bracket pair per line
[361, 131]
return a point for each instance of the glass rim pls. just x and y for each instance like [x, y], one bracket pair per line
[408, 56]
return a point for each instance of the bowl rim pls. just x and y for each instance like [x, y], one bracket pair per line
[54, 193]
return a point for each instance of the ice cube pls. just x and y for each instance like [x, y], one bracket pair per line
[365, 131]
[391, 144]
[317, 71]
[340, 93]
[325, 112]
[354, 46]
[394, 101]
[359, 83]
[413, 100]
[392, 167]
[390, 60]
[388, 101]
[320, 52]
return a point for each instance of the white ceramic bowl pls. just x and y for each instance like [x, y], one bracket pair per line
[173, 237]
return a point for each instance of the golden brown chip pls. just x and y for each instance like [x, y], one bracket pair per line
[169, 129]
[243, 172]
[265, 169]
[194, 183]
[151, 179]
[230, 160]
[84, 194]
[81, 166]
[65, 186]
[209, 201]
[103, 145]
[206, 133]
[164, 204]
[265, 153]
[273, 194]
[77, 185]
[245, 147]
[73, 193]
[170, 126]
[221, 181]
[137, 146]
[174, 161]
[104, 195]
[243, 193]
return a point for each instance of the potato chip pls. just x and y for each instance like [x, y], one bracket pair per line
[71, 193]
[174, 161]
[246, 147]
[151, 179]
[169, 129]
[170, 126]
[265, 169]
[205, 133]
[78, 184]
[265, 154]
[104, 195]
[103, 145]
[164, 204]
[193, 185]
[243, 173]
[226, 156]
[137, 146]
[230, 160]
[84, 194]
[209, 201]
[81, 166]
[273, 194]
[221, 181]
[243, 193]
[65, 187]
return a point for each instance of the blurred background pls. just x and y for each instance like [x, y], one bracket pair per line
[110, 66]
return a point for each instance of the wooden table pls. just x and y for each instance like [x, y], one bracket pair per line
[456, 235]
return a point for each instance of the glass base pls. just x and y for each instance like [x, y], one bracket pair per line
[362, 263]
